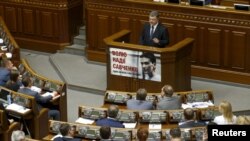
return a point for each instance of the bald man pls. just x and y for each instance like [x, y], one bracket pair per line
[168, 101]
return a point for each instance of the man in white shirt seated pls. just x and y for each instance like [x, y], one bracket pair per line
[42, 101]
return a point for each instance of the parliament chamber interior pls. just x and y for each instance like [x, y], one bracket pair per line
[208, 39]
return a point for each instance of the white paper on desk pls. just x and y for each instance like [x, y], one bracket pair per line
[197, 105]
[129, 125]
[85, 121]
[17, 108]
[47, 94]
[154, 126]
[8, 55]
[35, 88]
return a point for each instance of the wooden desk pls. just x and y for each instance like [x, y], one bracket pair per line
[6, 129]
[36, 121]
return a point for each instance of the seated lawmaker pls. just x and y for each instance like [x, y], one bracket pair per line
[14, 83]
[154, 33]
[41, 100]
[140, 102]
[142, 134]
[111, 119]
[168, 101]
[105, 133]
[227, 117]
[189, 120]
[67, 132]
[6, 67]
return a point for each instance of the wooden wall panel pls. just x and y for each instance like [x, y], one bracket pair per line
[103, 24]
[238, 50]
[213, 47]
[123, 23]
[191, 31]
[43, 25]
[55, 25]
[171, 31]
[47, 24]
[202, 42]
[91, 29]
[11, 18]
[134, 38]
[28, 21]
[226, 50]
[2, 11]
[179, 33]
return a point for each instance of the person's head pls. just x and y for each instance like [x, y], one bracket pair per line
[175, 134]
[26, 81]
[226, 109]
[105, 132]
[142, 134]
[7, 64]
[14, 74]
[243, 120]
[67, 130]
[188, 114]
[154, 17]
[167, 90]
[141, 94]
[148, 63]
[113, 111]
[18, 135]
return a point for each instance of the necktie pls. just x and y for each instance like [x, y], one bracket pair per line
[151, 32]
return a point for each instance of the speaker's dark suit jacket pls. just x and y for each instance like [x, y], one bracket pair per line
[160, 33]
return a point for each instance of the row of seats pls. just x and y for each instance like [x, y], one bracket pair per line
[119, 97]
[148, 116]
[37, 121]
[45, 85]
[91, 132]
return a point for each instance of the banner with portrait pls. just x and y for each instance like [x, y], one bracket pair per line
[136, 64]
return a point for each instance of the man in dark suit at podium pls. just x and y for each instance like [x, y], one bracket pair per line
[154, 33]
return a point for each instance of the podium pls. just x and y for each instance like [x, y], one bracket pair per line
[124, 67]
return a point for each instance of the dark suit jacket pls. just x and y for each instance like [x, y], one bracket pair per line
[40, 99]
[169, 103]
[160, 32]
[66, 139]
[4, 76]
[191, 123]
[109, 122]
